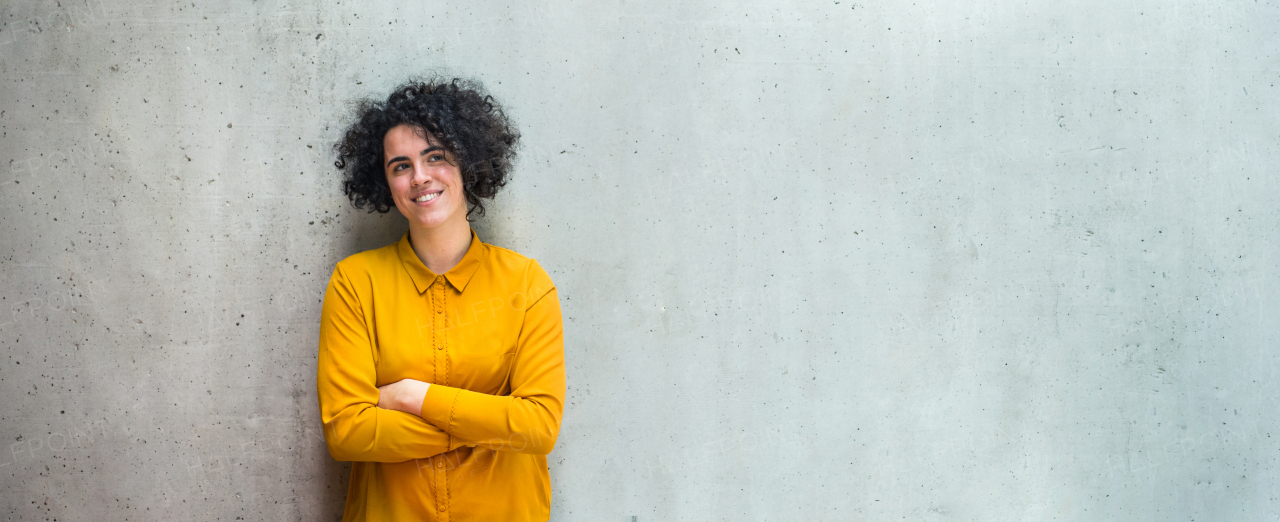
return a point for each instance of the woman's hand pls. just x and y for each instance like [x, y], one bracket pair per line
[404, 395]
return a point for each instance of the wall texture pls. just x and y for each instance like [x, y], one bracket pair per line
[818, 261]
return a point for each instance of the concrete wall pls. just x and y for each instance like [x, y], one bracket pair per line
[818, 261]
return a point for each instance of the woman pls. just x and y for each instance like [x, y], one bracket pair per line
[441, 365]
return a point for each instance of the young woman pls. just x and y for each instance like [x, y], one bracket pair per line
[441, 364]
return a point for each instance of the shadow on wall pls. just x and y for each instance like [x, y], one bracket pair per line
[486, 229]
[337, 478]
[370, 231]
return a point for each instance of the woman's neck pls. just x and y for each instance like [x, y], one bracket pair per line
[442, 247]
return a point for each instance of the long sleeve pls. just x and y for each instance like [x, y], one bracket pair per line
[355, 428]
[528, 420]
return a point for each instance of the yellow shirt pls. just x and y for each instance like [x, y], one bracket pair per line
[488, 336]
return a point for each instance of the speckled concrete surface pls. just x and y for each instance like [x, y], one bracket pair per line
[818, 261]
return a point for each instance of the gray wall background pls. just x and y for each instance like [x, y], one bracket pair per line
[823, 260]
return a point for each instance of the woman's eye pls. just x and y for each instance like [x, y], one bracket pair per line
[435, 157]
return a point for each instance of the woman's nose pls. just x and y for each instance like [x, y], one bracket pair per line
[420, 175]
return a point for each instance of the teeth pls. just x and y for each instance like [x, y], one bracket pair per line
[427, 197]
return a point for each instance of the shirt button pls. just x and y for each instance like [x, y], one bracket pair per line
[438, 311]
[440, 465]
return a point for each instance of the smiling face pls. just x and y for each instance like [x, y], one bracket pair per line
[424, 178]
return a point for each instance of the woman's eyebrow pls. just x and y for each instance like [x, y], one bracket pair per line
[423, 153]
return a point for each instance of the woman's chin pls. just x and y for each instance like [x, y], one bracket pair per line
[429, 221]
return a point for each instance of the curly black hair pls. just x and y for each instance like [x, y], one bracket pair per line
[459, 113]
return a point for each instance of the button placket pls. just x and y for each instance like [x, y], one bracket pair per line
[440, 319]
[439, 305]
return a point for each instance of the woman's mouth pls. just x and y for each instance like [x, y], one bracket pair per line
[430, 196]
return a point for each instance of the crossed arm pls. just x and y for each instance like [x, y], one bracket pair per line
[412, 419]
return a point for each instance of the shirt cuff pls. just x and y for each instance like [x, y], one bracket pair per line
[437, 406]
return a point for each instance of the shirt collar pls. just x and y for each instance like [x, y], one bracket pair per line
[458, 276]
